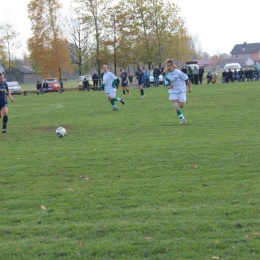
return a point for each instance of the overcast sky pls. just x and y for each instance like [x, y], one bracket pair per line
[218, 25]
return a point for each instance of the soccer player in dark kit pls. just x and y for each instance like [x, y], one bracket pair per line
[3, 101]
[140, 78]
[124, 81]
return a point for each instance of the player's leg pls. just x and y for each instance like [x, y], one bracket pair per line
[123, 90]
[178, 104]
[5, 118]
[141, 85]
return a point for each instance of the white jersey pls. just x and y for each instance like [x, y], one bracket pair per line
[176, 78]
[108, 79]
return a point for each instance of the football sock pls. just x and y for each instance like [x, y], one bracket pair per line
[112, 103]
[117, 99]
[123, 92]
[127, 91]
[142, 92]
[5, 119]
[180, 115]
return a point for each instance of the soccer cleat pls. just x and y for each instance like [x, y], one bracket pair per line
[143, 96]
[122, 101]
[183, 121]
[115, 109]
[3, 130]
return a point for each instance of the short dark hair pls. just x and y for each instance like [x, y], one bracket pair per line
[1, 74]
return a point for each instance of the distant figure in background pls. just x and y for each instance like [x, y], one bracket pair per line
[95, 79]
[131, 79]
[146, 77]
[38, 87]
[241, 75]
[224, 76]
[140, 78]
[156, 74]
[184, 70]
[3, 101]
[201, 72]
[124, 81]
[235, 74]
[45, 86]
[85, 84]
[230, 75]
[195, 73]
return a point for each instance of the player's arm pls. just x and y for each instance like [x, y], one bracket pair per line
[9, 94]
[101, 87]
[188, 84]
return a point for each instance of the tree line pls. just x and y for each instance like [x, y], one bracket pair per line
[98, 32]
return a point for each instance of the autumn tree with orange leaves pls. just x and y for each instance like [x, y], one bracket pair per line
[49, 54]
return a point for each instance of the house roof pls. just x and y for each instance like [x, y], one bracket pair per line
[203, 62]
[246, 48]
[26, 69]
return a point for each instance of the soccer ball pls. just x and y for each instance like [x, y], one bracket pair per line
[61, 131]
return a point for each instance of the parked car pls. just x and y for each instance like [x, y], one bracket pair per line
[152, 78]
[88, 78]
[53, 83]
[14, 87]
[232, 66]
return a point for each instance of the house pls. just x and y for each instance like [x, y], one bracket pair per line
[22, 74]
[244, 62]
[246, 50]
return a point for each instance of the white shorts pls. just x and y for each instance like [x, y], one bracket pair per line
[178, 96]
[111, 94]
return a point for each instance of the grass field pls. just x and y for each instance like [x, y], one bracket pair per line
[132, 184]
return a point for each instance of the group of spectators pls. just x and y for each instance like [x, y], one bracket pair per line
[41, 87]
[195, 75]
[241, 75]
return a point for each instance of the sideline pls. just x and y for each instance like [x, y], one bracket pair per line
[39, 112]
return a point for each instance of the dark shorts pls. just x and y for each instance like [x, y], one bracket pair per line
[3, 104]
[124, 84]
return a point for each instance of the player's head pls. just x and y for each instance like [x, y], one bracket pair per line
[122, 70]
[105, 68]
[170, 65]
[2, 77]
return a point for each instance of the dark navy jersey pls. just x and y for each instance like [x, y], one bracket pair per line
[123, 76]
[3, 89]
[140, 74]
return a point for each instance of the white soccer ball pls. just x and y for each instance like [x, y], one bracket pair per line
[61, 131]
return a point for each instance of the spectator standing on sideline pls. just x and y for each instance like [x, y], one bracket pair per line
[201, 72]
[95, 79]
[140, 78]
[230, 75]
[85, 84]
[184, 70]
[38, 87]
[3, 101]
[241, 75]
[224, 76]
[131, 79]
[109, 84]
[124, 81]
[45, 86]
[235, 75]
[176, 82]
[195, 73]
[146, 77]
[156, 74]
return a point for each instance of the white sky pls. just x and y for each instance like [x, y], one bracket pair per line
[218, 25]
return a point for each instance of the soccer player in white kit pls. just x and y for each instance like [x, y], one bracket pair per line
[176, 82]
[109, 83]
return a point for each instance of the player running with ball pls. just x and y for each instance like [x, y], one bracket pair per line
[109, 83]
[176, 82]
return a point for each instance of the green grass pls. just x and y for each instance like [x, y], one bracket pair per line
[132, 184]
